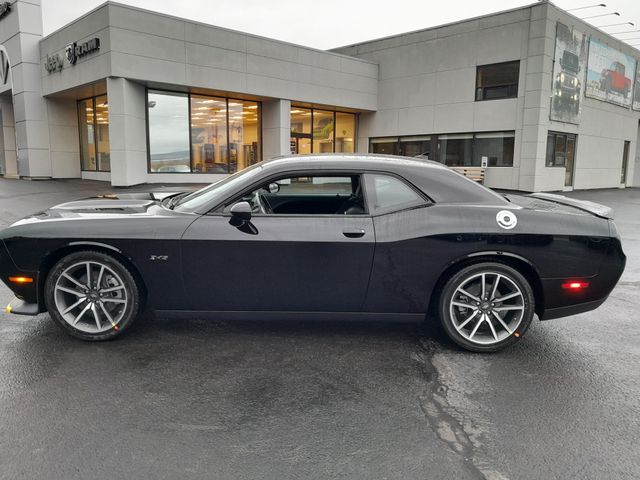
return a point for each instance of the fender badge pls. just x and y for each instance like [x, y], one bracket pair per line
[506, 219]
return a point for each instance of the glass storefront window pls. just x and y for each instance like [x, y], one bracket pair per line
[384, 146]
[300, 130]
[225, 133]
[455, 150]
[496, 147]
[93, 127]
[415, 146]
[168, 132]
[322, 131]
[102, 134]
[243, 134]
[209, 134]
[345, 132]
[86, 114]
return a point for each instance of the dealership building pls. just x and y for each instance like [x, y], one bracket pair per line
[539, 99]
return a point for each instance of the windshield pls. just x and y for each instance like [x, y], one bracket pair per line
[570, 62]
[217, 191]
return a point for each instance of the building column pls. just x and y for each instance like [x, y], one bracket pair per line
[8, 159]
[276, 128]
[21, 34]
[127, 132]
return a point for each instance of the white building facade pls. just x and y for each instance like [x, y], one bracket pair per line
[540, 99]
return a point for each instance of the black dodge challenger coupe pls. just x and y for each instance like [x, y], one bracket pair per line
[323, 236]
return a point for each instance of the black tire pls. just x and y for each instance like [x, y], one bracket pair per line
[118, 316]
[517, 319]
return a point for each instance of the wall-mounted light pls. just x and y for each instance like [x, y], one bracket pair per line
[587, 6]
[617, 14]
[616, 25]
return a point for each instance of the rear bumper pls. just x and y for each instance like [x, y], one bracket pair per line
[551, 313]
[560, 302]
[20, 307]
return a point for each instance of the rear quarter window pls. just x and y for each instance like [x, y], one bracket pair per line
[387, 193]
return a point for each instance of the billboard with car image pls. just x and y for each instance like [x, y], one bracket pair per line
[609, 74]
[568, 74]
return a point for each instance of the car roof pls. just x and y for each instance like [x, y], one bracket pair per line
[437, 181]
[354, 160]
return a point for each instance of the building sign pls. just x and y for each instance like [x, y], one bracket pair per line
[5, 70]
[53, 63]
[5, 8]
[74, 50]
[568, 74]
[609, 74]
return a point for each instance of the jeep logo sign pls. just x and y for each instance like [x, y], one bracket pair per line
[74, 50]
[53, 63]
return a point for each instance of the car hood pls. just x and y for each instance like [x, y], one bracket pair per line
[104, 206]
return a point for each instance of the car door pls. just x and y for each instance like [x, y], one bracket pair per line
[294, 261]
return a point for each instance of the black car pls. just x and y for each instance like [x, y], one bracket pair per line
[335, 236]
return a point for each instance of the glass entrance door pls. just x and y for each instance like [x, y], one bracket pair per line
[301, 143]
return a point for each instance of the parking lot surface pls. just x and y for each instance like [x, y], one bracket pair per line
[239, 400]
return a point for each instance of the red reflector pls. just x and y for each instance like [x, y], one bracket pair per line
[575, 285]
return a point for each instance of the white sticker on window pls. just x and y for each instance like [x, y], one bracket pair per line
[506, 219]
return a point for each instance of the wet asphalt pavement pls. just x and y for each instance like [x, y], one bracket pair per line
[284, 400]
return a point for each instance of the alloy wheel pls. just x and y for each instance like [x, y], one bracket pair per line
[486, 308]
[91, 297]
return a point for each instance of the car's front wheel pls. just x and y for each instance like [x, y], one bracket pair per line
[486, 307]
[92, 296]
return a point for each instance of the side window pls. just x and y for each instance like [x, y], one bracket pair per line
[387, 194]
[308, 195]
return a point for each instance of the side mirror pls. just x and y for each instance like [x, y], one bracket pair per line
[274, 187]
[241, 211]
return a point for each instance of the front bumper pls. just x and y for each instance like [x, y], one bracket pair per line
[25, 292]
[20, 307]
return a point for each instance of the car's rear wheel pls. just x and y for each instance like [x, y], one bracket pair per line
[486, 307]
[92, 296]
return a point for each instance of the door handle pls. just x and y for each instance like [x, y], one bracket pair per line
[353, 232]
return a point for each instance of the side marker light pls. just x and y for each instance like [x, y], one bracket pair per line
[21, 279]
[575, 286]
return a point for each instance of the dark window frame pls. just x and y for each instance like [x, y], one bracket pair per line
[512, 88]
[222, 208]
[555, 135]
[95, 132]
[192, 172]
[434, 144]
[371, 195]
[625, 162]
[218, 209]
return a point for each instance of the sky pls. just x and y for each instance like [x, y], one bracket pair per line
[327, 24]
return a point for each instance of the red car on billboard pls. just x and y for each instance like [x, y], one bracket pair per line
[613, 79]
